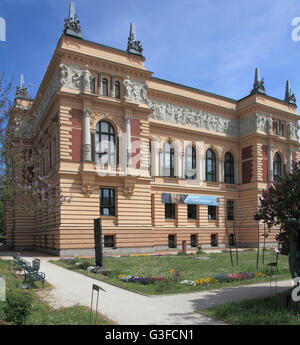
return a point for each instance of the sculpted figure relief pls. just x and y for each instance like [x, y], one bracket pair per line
[86, 78]
[135, 90]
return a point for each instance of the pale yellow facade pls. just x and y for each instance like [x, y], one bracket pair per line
[160, 111]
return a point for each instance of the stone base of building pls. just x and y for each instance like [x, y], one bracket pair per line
[124, 251]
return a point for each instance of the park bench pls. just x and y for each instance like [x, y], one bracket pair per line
[31, 274]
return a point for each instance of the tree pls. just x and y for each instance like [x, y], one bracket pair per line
[25, 185]
[279, 205]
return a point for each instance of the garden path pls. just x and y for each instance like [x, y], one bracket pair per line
[129, 308]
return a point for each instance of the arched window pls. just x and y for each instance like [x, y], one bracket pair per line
[211, 175]
[117, 89]
[105, 143]
[190, 163]
[277, 167]
[168, 160]
[104, 87]
[229, 168]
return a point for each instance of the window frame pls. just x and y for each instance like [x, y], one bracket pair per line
[170, 211]
[192, 215]
[190, 166]
[194, 243]
[105, 87]
[229, 168]
[170, 154]
[210, 175]
[230, 208]
[111, 134]
[212, 211]
[111, 206]
[113, 242]
[277, 167]
[117, 89]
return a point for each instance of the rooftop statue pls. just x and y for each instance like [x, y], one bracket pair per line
[134, 46]
[72, 24]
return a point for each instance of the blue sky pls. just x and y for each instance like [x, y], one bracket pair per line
[213, 45]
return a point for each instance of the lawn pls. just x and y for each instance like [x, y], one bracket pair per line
[41, 313]
[262, 311]
[191, 268]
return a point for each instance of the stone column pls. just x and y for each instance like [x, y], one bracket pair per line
[270, 163]
[221, 171]
[154, 159]
[112, 86]
[86, 135]
[236, 173]
[128, 139]
[290, 161]
[99, 84]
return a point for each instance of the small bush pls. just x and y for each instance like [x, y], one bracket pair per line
[85, 264]
[181, 253]
[18, 307]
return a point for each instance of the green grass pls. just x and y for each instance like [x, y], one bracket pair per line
[262, 311]
[190, 267]
[42, 314]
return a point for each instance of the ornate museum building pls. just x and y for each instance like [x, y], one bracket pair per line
[160, 163]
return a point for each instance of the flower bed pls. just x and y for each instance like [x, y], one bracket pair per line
[140, 280]
[223, 278]
[218, 278]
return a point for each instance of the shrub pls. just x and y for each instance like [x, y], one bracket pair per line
[181, 253]
[18, 307]
[85, 264]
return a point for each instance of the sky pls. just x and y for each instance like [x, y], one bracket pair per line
[212, 45]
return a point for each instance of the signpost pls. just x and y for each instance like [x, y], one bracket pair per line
[96, 288]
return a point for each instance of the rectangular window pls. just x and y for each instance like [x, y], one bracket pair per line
[107, 202]
[109, 241]
[194, 241]
[214, 240]
[281, 128]
[172, 241]
[275, 127]
[212, 212]
[170, 211]
[230, 210]
[192, 211]
[231, 240]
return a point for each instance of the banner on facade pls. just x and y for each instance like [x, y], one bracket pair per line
[168, 198]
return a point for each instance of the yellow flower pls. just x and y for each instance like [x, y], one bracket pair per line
[121, 275]
[172, 271]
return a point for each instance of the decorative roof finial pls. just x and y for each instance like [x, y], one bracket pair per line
[22, 91]
[72, 24]
[258, 86]
[289, 96]
[134, 46]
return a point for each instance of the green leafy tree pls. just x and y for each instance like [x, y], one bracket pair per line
[278, 206]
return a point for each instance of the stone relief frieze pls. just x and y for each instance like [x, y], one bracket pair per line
[78, 78]
[194, 118]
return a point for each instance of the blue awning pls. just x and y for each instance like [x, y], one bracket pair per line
[168, 198]
[202, 200]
